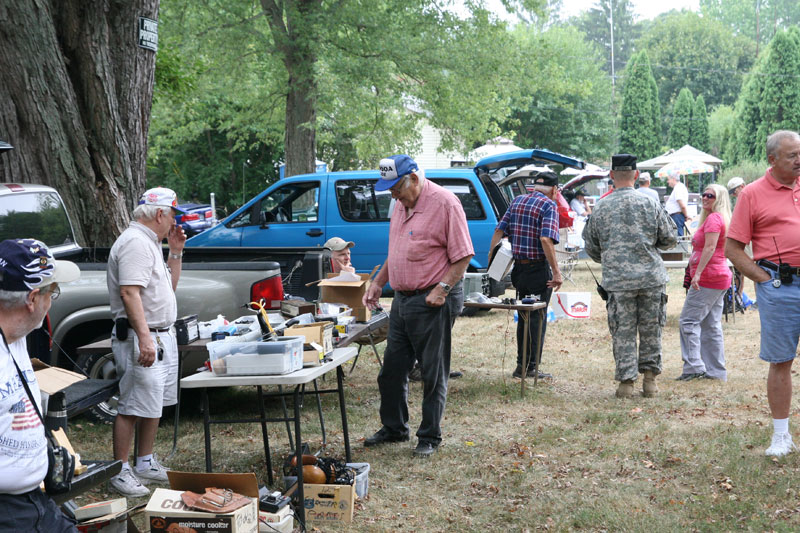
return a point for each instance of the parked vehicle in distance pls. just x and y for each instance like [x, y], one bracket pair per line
[307, 210]
[196, 219]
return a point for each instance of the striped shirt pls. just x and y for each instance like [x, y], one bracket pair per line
[529, 218]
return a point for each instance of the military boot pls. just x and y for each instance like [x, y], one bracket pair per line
[625, 388]
[649, 387]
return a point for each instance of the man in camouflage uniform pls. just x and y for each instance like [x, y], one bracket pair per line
[623, 234]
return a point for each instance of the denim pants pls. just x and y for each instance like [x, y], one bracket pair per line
[418, 332]
[33, 511]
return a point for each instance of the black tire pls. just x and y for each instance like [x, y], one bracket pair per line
[101, 366]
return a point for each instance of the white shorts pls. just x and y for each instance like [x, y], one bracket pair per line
[143, 391]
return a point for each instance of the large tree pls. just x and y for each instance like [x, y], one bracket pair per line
[680, 127]
[75, 102]
[638, 129]
[559, 103]
[758, 20]
[351, 77]
[698, 132]
[698, 53]
[770, 99]
[607, 19]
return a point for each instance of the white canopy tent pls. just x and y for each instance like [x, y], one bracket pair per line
[686, 152]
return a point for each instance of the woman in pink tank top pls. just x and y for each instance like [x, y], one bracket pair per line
[702, 346]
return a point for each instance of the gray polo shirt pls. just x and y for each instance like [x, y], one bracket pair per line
[137, 259]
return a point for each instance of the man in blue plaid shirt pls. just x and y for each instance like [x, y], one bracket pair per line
[531, 223]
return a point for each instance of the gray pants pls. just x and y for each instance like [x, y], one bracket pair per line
[418, 332]
[642, 311]
[702, 346]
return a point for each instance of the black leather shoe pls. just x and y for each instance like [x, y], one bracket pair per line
[382, 436]
[455, 374]
[425, 449]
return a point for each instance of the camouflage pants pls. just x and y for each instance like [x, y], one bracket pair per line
[642, 311]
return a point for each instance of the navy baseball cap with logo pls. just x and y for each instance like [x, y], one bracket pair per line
[27, 264]
[393, 169]
[548, 179]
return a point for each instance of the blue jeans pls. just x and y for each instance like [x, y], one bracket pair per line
[680, 221]
[779, 313]
[33, 511]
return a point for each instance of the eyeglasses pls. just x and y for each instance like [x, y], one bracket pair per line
[708, 195]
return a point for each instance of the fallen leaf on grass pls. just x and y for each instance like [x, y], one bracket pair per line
[469, 443]
[636, 410]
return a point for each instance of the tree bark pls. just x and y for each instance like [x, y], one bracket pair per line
[75, 103]
[293, 27]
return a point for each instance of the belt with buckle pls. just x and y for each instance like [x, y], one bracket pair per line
[159, 330]
[794, 271]
[417, 291]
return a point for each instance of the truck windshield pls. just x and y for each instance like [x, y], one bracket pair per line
[39, 215]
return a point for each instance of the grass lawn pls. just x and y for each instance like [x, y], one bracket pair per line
[567, 456]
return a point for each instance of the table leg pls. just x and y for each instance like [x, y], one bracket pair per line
[538, 357]
[298, 448]
[285, 413]
[353, 366]
[374, 349]
[265, 435]
[319, 410]
[207, 429]
[525, 316]
[345, 431]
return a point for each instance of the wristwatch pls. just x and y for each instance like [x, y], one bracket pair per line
[445, 287]
[176, 256]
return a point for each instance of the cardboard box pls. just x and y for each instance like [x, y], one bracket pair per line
[502, 262]
[166, 511]
[52, 379]
[318, 332]
[572, 304]
[349, 293]
[312, 354]
[329, 503]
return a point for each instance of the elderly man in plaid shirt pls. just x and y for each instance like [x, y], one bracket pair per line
[531, 223]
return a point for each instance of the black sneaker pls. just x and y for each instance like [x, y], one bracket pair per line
[531, 373]
[383, 436]
[425, 449]
[455, 374]
[690, 376]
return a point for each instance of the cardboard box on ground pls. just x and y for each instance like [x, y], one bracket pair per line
[166, 511]
[349, 293]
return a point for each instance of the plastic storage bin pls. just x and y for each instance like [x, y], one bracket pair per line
[362, 478]
[256, 358]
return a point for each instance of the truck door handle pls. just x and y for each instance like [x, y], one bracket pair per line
[316, 232]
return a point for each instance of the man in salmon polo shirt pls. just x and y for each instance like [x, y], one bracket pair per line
[768, 215]
[429, 250]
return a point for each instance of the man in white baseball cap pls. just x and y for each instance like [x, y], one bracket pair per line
[340, 254]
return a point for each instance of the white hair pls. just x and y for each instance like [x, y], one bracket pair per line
[149, 212]
[544, 188]
[13, 299]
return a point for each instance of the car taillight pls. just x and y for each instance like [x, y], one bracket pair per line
[270, 289]
[209, 214]
[190, 216]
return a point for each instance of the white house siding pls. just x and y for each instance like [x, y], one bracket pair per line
[430, 157]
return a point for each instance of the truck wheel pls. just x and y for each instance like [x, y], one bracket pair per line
[101, 366]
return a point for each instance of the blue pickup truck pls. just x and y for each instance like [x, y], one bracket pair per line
[304, 211]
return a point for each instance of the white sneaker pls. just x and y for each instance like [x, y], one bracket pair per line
[156, 472]
[127, 484]
[781, 445]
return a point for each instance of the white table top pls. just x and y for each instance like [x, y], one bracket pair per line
[298, 377]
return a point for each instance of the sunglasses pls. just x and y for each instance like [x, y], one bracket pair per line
[708, 195]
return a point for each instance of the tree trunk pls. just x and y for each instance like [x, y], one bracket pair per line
[293, 26]
[75, 104]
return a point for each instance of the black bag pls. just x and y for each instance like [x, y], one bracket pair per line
[687, 278]
[60, 463]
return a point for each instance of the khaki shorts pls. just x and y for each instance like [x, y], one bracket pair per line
[143, 391]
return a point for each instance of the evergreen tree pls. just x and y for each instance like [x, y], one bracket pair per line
[655, 148]
[680, 129]
[637, 125]
[770, 99]
[698, 131]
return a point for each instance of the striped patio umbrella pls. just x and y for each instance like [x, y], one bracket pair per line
[683, 167]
